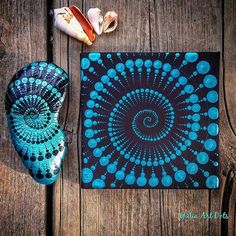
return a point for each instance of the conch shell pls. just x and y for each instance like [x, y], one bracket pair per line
[96, 19]
[67, 22]
[110, 22]
[87, 27]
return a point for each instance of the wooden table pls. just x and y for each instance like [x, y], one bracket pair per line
[27, 34]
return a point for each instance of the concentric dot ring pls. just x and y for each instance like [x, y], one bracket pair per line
[147, 119]
[134, 135]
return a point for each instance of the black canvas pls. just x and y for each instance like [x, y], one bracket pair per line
[150, 120]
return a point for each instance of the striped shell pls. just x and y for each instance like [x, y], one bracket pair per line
[33, 100]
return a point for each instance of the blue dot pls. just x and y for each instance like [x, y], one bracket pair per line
[88, 123]
[210, 81]
[120, 175]
[188, 88]
[192, 168]
[111, 168]
[89, 133]
[177, 54]
[139, 62]
[93, 94]
[161, 162]
[153, 182]
[216, 163]
[212, 96]
[213, 129]
[141, 181]
[91, 69]
[180, 175]
[167, 67]
[85, 63]
[84, 78]
[105, 79]
[203, 67]
[94, 56]
[212, 182]
[193, 98]
[213, 113]
[166, 180]
[98, 183]
[196, 117]
[202, 158]
[92, 143]
[148, 63]
[195, 127]
[89, 113]
[98, 86]
[157, 64]
[97, 152]
[191, 56]
[182, 80]
[210, 145]
[196, 108]
[192, 135]
[87, 175]
[175, 73]
[31, 80]
[90, 103]
[130, 179]
[120, 67]
[111, 73]
[104, 161]
[129, 64]
[25, 80]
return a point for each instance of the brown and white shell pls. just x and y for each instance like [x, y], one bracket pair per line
[96, 19]
[110, 21]
[65, 21]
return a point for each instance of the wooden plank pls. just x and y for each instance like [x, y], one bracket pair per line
[66, 197]
[119, 212]
[23, 39]
[225, 199]
[229, 30]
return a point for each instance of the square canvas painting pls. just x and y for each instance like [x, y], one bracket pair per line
[150, 120]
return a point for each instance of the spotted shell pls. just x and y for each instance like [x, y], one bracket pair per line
[33, 100]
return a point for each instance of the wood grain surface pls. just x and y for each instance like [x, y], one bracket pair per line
[27, 34]
[23, 205]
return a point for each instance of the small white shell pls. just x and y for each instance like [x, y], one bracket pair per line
[65, 21]
[110, 22]
[96, 19]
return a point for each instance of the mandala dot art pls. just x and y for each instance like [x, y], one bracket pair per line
[150, 120]
[33, 100]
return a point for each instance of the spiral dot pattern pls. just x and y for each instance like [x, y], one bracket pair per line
[149, 120]
[33, 100]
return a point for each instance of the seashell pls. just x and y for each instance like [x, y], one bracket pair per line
[110, 22]
[65, 21]
[87, 27]
[96, 19]
[33, 100]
